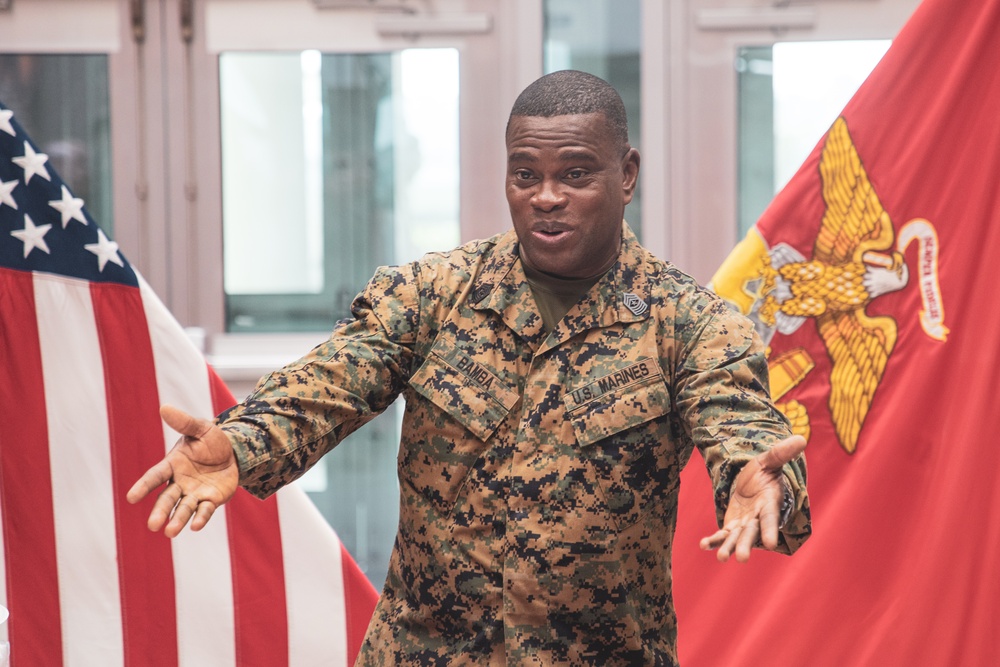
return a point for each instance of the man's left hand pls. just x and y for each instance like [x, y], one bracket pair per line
[754, 511]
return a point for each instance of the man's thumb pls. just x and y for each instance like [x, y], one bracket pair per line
[182, 422]
[782, 452]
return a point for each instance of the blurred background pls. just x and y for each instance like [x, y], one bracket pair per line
[257, 159]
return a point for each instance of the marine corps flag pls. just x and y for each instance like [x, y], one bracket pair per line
[88, 354]
[873, 278]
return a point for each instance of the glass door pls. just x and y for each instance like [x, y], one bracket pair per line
[333, 164]
[340, 131]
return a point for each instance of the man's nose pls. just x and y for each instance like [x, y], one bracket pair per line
[548, 196]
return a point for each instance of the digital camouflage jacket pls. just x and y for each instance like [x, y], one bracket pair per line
[538, 472]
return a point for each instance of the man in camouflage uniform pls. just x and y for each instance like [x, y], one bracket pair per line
[557, 378]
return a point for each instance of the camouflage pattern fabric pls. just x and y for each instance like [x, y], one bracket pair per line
[538, 473]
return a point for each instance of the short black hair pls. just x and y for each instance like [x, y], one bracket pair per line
[569, 92]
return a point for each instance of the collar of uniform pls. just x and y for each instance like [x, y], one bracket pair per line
[501, 286]
[606, 302]
[622, 295]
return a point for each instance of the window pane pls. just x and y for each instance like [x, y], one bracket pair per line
[272, 173]
[600, 37]
[62, 102]
[332, 165]
[789, 95]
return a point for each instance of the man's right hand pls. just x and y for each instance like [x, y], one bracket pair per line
[201, 474]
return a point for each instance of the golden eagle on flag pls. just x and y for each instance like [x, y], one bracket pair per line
[854, 262]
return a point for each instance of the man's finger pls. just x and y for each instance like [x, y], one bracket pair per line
[184, 510]
[748, 537]
[154, 477]
[769, 528]
[782, 452]
[206, 509]
[735, 530]
[164, 506]
[714, 540]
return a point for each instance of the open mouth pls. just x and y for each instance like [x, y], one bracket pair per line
[550, 230]
[551, 237]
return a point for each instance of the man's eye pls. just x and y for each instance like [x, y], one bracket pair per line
[575, 174]
[523, 175]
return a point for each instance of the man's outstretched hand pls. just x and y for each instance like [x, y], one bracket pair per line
[201, 473]
[754, 511]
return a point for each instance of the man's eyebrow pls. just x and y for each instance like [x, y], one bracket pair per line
[578, 155]
[571, 155]
[522, 156]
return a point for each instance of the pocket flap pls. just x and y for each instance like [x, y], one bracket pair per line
[468, 391]
[618, 401]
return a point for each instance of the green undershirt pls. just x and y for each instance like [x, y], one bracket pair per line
[554, 295]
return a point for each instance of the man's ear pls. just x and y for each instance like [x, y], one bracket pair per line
[630, 172]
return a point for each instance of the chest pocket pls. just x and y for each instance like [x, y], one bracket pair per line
[442, 445]
[622, 427]
[465, 389]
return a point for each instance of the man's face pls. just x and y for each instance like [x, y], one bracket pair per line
[568, 182]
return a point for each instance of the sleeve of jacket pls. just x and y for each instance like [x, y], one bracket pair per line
[300, 412]
[723, 400]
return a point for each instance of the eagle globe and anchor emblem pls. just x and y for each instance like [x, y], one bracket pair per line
[856, 259]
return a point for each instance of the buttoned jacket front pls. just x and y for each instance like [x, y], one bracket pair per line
[538, 471]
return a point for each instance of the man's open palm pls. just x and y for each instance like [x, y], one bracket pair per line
[754, 511]
[201, 474]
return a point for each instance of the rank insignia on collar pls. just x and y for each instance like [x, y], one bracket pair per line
[634, 303]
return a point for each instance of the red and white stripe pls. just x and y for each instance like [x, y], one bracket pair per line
[265, 583]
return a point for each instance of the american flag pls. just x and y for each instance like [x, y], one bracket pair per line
[89, 353]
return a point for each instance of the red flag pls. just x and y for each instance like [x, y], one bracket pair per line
[89, 353]
[874, 270]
